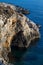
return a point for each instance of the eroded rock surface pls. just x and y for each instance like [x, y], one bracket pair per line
[15, 29]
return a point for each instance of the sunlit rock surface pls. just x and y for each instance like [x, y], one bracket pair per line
[15, 30]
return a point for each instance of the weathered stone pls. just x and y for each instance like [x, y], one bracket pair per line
[15, 29]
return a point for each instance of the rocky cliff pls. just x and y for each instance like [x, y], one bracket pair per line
[15, 29]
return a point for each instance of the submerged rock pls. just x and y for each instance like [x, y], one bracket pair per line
[22, 10]
[15, 30]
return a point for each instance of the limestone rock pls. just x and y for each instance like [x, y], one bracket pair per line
[15, 29]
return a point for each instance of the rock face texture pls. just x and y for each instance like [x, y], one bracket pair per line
[15, 29]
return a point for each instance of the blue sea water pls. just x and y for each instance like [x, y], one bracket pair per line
[34, 54]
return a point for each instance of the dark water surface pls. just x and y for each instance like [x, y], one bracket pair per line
[34, 54]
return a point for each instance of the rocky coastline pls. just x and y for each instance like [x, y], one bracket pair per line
[15, 30]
